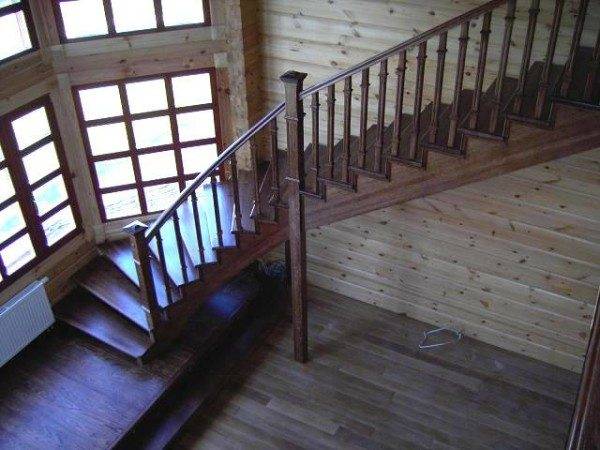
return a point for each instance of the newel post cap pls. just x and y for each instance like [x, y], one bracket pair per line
[136, 227]
[293, 77]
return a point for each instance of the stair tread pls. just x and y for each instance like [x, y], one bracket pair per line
[121, 255]
[171, 254]
[188, 233]
[82, 311]
[110, 286]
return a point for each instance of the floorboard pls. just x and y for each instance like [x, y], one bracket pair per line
[367, 385]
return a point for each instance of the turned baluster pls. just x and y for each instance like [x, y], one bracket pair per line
[534, 10]
[476, 102]
[237, 207]
[255, 178]
[364, 115]
[198, 227]
[347, 129]
[400, 79]
[458, 83]
[416, 124]
[180, 249]
[383, 74]
[275, 186]
[215, 196]
[162, 262]
[567, 77]
[439, 82]
[592, 71]
[544, 85]
[316, 145]
[330, 128]
[499, 86]
[141, 258]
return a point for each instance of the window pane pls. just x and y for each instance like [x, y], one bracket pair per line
[41, 162]
[31, 127]
[4, 3]
[160, 197]
[197, 159]
[121, 204]
[7, 189]
[83, 18]
[17, 254]
[110, 138]
[1, 154]
[98, 103]
[14, 36]
[191, 90]
[58, 225]
[11, 221]
[115, 172]
[152, 132]
[196, 125]
[131, 15]
[158, 165]
[147, 96]
[182, 12]
[50, 194]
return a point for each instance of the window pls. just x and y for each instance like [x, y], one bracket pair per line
[16, 29]
[88, 19]
[146, 138]
[37, 204]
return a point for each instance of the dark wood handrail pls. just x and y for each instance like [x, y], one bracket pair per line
[406, 45]
[223, 157]
[262, 123]
[585, 425]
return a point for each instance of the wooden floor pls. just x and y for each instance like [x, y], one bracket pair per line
[368, 386]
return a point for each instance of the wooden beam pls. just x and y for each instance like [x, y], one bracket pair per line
[293, 82]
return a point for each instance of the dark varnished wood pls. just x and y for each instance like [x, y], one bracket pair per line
[585, 424]
[368, 386]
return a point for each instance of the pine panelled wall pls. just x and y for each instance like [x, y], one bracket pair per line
[323, 37]
[513, 261]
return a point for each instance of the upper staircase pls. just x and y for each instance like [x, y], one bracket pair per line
[137, 294]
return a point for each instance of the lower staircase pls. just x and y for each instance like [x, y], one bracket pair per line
[137, 295]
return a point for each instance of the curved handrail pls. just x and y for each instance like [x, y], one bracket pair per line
[258, 126]
[223, 157]
[412, 42]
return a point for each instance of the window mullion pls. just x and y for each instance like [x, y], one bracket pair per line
[23, 191]
[135, 161]
[175, 133]
[110, 18]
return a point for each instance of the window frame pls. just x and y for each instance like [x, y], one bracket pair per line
[110, 22]
[23, 196]
[133, 152]
[23, 5]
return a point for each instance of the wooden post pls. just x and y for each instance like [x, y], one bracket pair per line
[141, 258]
[294, 115]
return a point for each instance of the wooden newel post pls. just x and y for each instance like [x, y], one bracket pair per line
[294, 116]
[141, 258]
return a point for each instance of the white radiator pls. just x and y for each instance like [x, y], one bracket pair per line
[23, 318]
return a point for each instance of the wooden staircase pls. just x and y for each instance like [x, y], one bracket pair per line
[137, 294]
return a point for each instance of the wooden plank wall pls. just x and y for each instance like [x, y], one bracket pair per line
[513, 261]
[323, 37]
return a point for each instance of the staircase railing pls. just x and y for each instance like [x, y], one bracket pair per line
[483, 112]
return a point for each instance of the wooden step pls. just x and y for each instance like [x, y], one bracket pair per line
[482, 130]
[120, 254]
[575, 94]
[82, 311]
[110, 286]
[180, 268]
[526, 114]
[199, 256]
[441, 142]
